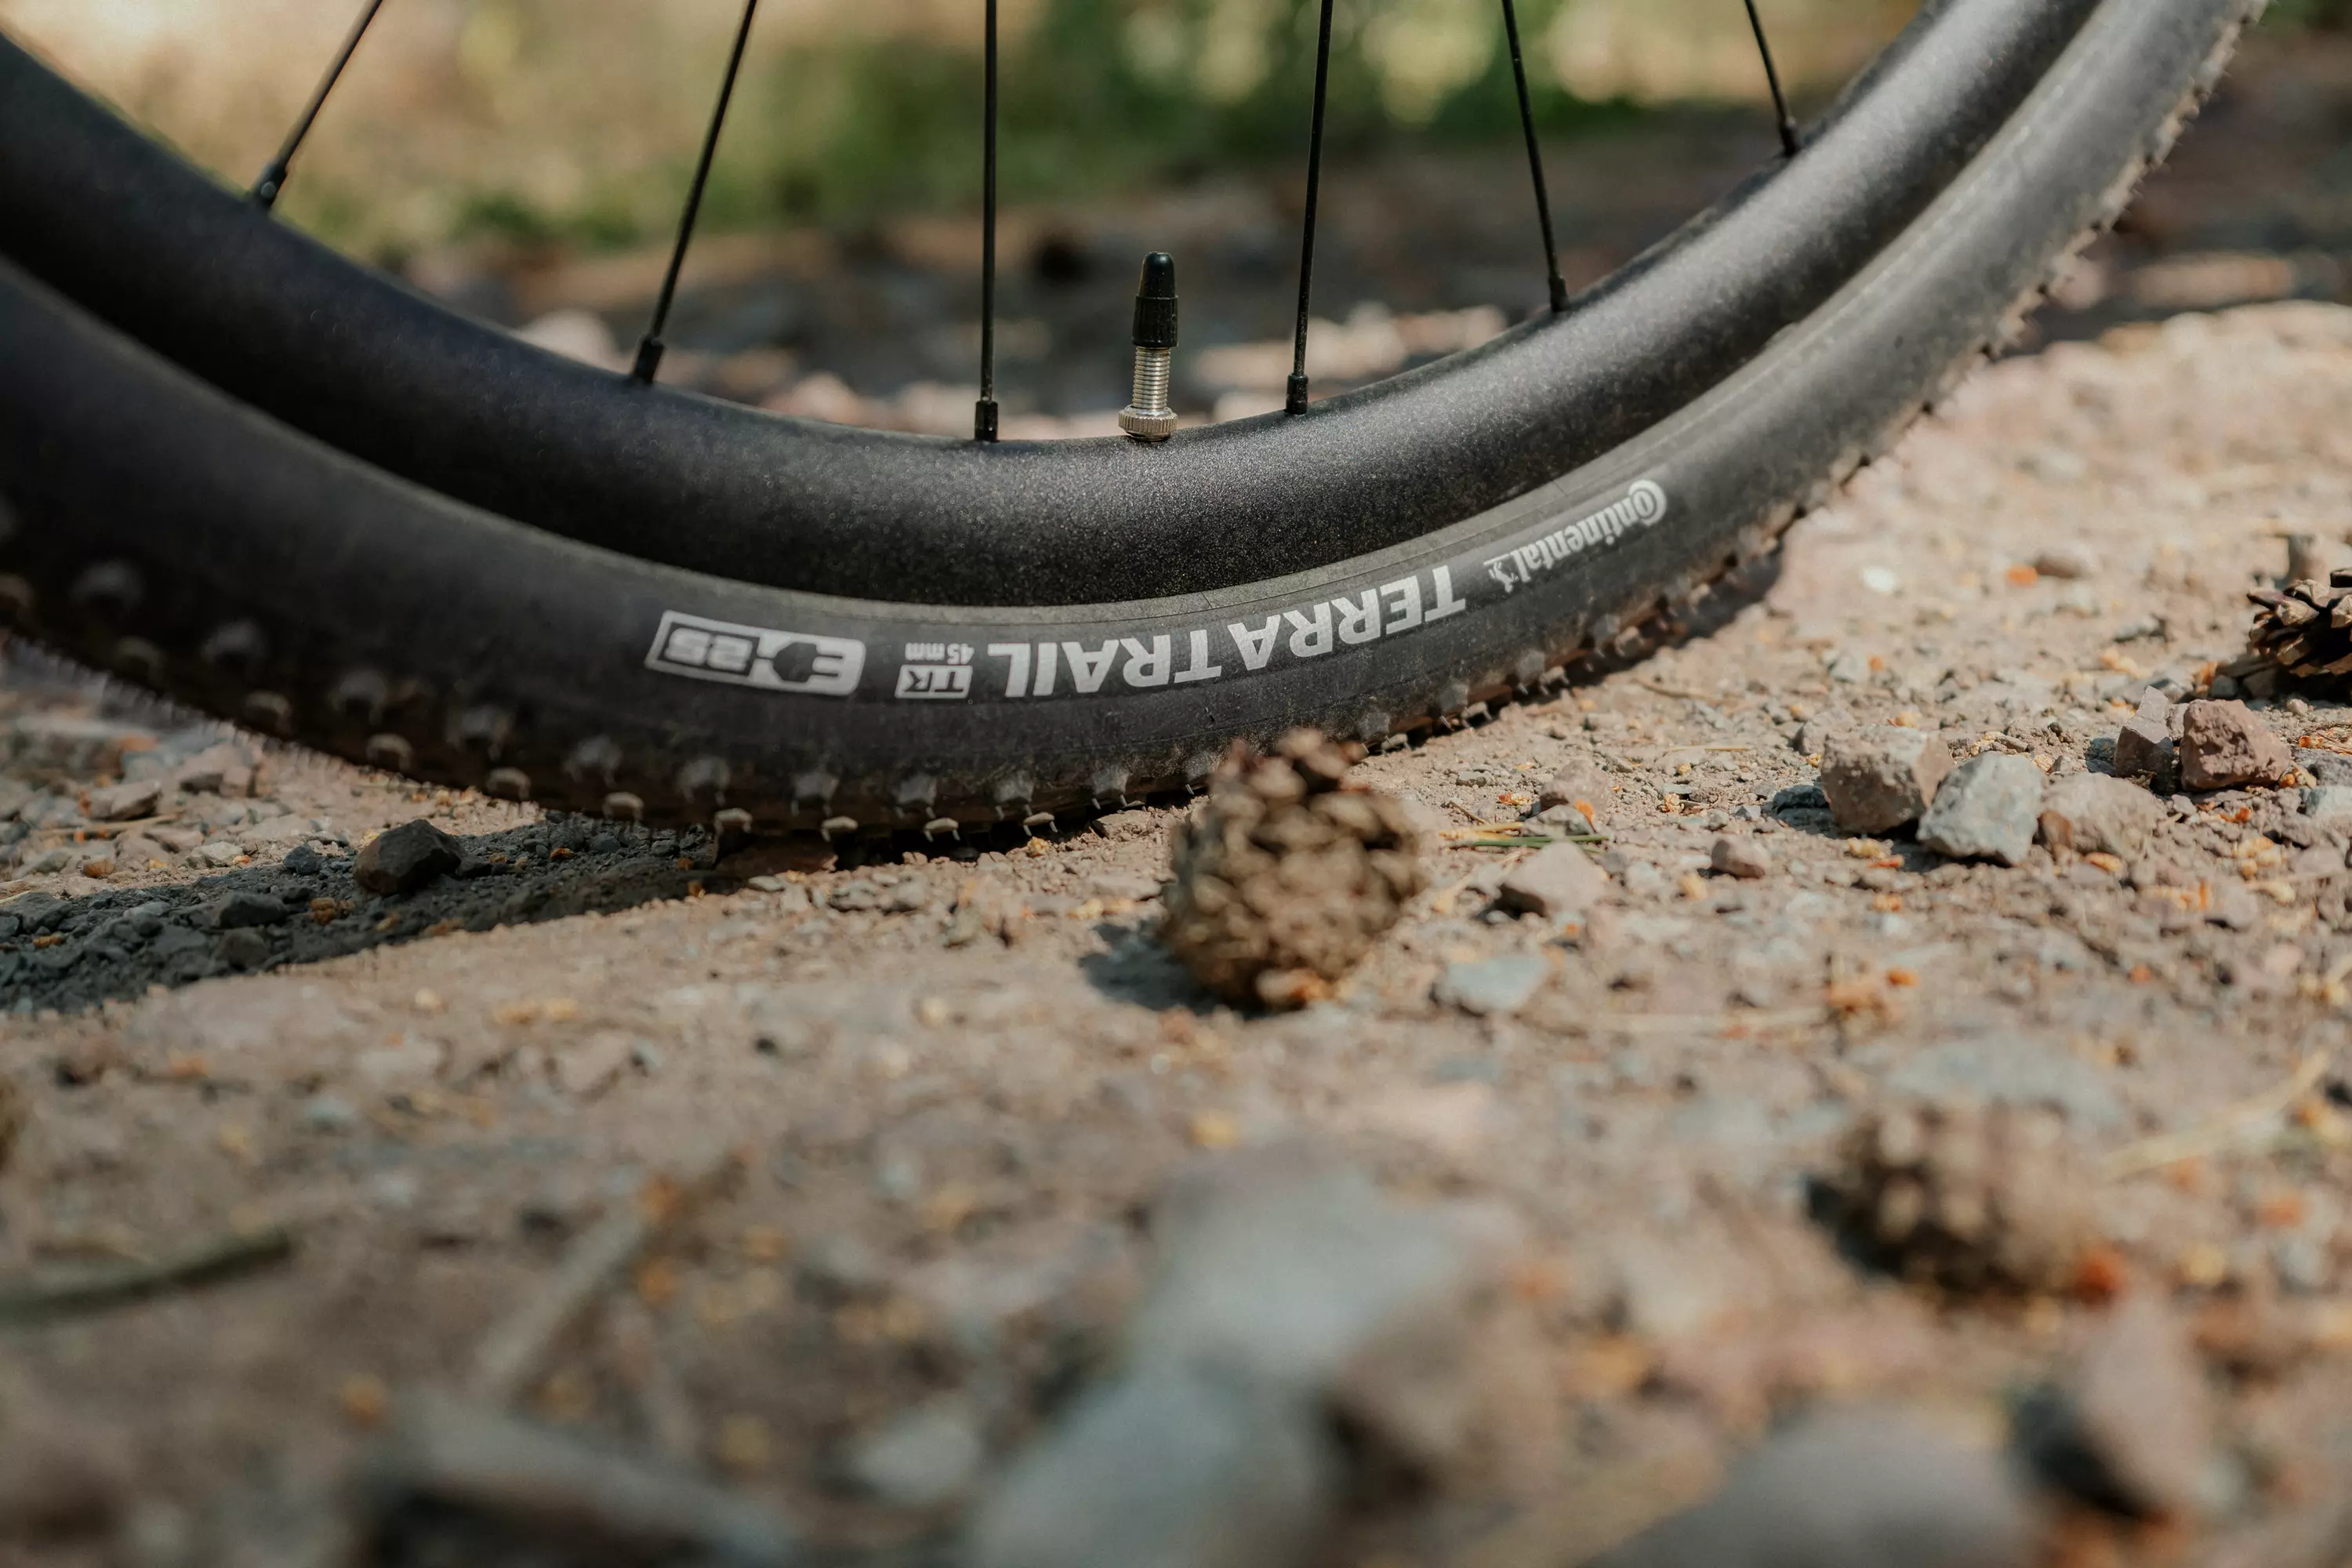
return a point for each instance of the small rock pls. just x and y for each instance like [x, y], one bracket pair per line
[1122, 826]
[1167, 1468]
[1559, 882]
[1879, 778]
[2225, 743]
[1742, 857]
[1854, 1489]
[2145, 747]
[405, 858]
[43, 862]
[2067, 562]
[246, 909]
[120, 803]
[2130, 1429]
[2096, 812]
[1967, 1196]
[221, 852]
[589, 1068]
[1496, 987]
[226, 769]
[927, 1457]
[303, 861]
[1815, 734]
[243, 948]
[1986, 810]
[179, 840]
[329, 1113]
[2328, 802]
[1577, 781]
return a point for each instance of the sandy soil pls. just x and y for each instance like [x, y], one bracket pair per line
[957, 1079]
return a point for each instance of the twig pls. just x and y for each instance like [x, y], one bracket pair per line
[2239, 1122]
[517, 1348]
[56, 1294]
[1663, 689]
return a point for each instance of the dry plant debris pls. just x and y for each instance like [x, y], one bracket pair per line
[2303, 630]
[1284, 877]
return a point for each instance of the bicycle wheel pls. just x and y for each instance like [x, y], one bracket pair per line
[262, 480]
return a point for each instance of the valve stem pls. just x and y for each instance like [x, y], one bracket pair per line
[1149, 417]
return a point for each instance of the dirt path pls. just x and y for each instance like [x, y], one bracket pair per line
[957, 1081]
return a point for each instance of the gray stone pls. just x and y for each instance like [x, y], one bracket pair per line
[243, 948]
[1560, 882]
[1578, 781]
[2145, 747]
[120, 803]
[2224, 744]
[1986, 810]
[2067, 562]
[1168, 1467]
[2327, 803]
[1814, 736]
[1856, 1489]
[1879, 778]
[246, 909]
[1741, 857]
[2095, 813]
[220, 852]
[925, 1457]
[2130, 1429]
[42, 862]
[1496, 987]
[405, 859]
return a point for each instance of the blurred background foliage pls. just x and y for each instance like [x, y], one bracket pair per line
[575, 120]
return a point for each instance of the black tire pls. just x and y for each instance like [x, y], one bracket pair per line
[241, 471]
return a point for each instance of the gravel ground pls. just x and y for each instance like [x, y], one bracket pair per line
[961, 1084]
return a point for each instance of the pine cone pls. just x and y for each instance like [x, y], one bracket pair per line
[2304, 631]
[1286, 875]
[1968, 1197]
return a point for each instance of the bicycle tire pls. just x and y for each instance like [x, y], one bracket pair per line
[189, 510]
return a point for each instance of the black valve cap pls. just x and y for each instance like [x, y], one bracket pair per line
[1155, 303]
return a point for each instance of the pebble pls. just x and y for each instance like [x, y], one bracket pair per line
[405, 859]
[1559, 882]
[1496, 987]
[2098, 814]
[2328, 802]
[246, 909]
[1986, 810]
[1742, 857]
[2067, 562]
[1854, 1489]
[2224, 744]
[929, 1456]
[1879, 778]
[221, 852]
[2130, 1428]
[120, 803]
[243, 948]
[2145, 747]
[330, 1113]
[303, 861]
[1814, 735]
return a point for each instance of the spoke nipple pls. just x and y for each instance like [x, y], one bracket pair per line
[649, 365]
[1295, 400]
[1149, 418]
[984, 419]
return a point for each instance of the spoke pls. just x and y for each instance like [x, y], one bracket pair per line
[1789, 142]
[649, 349]
[984, 414]
[1295, 402]
[1534, 159]
[273, 178]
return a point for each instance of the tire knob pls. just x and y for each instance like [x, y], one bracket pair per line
[1149, 417]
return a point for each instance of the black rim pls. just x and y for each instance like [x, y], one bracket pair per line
[357, 360]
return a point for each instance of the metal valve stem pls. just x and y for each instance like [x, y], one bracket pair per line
[1149, 418]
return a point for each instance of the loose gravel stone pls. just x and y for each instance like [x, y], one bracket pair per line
[243, 948]
[220, 852]
[1559, 882]
[1856, 1489]
[1742, 857]
[405, 858]
[2097, 813]
[245, 907]
[2223, 744]
[1879, 778]
[1986, 810]
[120, 803]
[2130, 1428]
[1498, 988]
[2145, 748]
[2067, 562]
